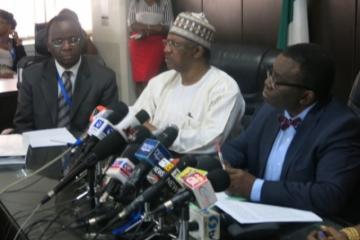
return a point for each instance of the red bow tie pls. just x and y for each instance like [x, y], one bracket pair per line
[285, 122]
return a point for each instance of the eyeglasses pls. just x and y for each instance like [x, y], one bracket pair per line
[59, 42]
[275, 83]
[172, 44]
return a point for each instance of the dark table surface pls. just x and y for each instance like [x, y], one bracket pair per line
[23, 198]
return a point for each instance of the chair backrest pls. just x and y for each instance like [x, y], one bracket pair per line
[40, 39]
[247, 65]
[25, 62]
[354, 97]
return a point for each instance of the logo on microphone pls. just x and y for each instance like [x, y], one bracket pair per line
[108, 129]
[126, 168]
[195, 180]
[98, 123]
[213, 225]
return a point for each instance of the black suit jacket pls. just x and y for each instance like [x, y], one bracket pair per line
[37, 100]
[321, 171]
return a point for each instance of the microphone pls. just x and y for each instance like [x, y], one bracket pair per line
[110, 145]
[153, 190]
[126, 126]
[149, 194]
[123, 166]
[197, 186]
[208, 222]
[163, 169]
[101, 125]
[149, 154]
[99, 111]
[100, 120]
[120, 171]
[208, 163]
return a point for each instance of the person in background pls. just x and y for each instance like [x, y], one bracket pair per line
[11, 48]
[88, 46]
[330, 233]
[201, 100]
[302, 149]
[63, 90]
[148, 22]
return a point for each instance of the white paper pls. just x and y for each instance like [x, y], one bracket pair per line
[12, 145]
[246, 212]
[49, 137]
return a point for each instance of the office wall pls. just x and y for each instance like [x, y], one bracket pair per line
[333, 24]
[110, 37]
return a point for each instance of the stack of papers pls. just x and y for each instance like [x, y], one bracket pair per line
[247, 212]
[12, 145]
[13, 149]
[49, 137]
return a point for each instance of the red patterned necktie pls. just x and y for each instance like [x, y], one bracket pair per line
[286, 122]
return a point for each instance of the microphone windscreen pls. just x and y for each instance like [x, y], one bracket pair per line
[139, 134]
[142, 116]
[129, 153]
[120, 108]
[114, 143]
[186, 161]
[114, 118]
[208, 163]
[219, 179]
[168, 136]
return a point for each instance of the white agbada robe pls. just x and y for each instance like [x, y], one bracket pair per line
[204, 112]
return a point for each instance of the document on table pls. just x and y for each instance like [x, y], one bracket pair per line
[49, 137]
[247, 212]
[12, 145]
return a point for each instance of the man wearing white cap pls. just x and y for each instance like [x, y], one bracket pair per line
[201, 100]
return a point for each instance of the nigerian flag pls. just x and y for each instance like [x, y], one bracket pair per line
[293, 23]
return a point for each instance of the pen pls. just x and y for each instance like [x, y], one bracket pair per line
[221, 159]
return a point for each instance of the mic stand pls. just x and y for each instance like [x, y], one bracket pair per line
[91, 181]
[184, 223]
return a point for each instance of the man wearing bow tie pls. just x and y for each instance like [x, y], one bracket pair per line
[302, 149]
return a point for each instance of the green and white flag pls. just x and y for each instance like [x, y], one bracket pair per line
[294, 27]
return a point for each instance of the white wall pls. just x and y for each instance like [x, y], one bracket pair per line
[110, 38]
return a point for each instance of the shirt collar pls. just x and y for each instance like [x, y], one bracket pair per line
[301, 115]
[74, 69]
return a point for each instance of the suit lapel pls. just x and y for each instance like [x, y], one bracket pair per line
[82, 86]
[49, 89]
[271, 130]
[299, 140]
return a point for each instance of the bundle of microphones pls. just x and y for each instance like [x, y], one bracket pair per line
[147, 182]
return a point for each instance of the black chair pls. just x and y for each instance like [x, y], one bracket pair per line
[247, 65]
[40, 40]
[354, 97]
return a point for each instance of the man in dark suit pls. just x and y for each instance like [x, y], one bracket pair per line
[43, 85]
[302, 149]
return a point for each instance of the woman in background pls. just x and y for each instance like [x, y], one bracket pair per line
[148, 22]
[11, 48]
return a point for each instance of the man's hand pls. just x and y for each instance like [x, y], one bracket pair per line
[326, 233]
[241, 182]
